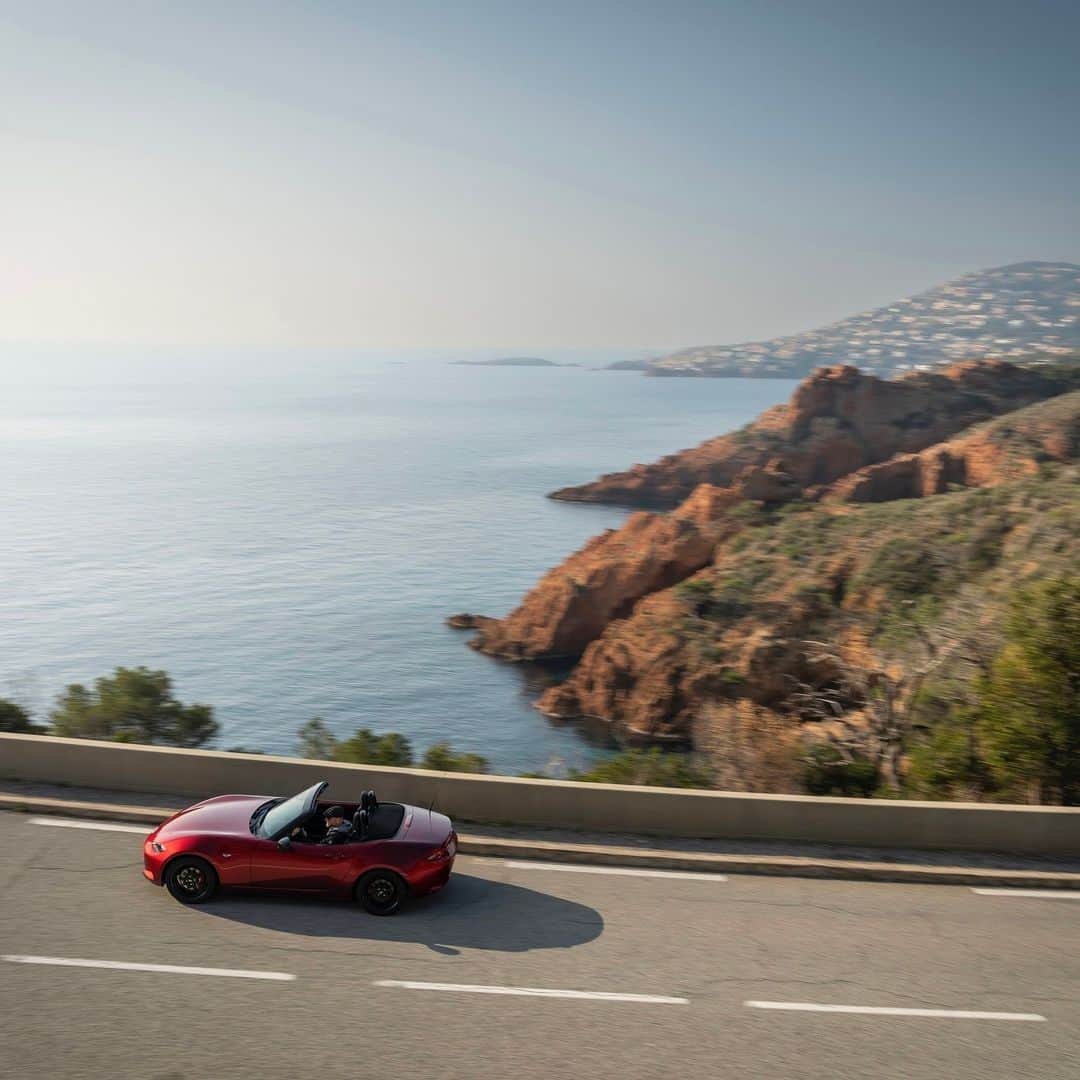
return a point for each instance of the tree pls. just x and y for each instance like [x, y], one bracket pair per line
[1030, 700]
[317, 741]
[885, 699]
[441, 757]
[365, 748]
[15, 718]
[132, 705]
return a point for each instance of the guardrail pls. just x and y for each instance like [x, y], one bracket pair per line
[197, 774]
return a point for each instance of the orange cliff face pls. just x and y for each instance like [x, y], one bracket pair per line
[838, 420]
[574, 603]
[990, 454]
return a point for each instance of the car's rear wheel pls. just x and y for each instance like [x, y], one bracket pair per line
[191, 880]
[381, 892]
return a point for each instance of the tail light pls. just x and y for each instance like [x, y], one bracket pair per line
[445, 852]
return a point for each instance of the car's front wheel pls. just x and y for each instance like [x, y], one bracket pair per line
[381, 892]
[191, 880]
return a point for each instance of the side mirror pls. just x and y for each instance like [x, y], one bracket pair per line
[284, 843]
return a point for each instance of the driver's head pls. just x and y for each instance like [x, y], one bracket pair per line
[335, 816]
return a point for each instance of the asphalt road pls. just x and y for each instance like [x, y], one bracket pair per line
[702, 947]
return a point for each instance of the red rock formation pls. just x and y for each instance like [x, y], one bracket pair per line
[688, 664]
[572, 604]
[994, 453]
[838, 420]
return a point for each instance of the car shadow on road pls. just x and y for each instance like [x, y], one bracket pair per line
[470, 913]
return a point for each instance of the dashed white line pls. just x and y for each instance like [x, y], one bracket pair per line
[1038, 894]
[875, 1010]
[167, 969]
[533, 991]
[101, 826]
[574, 868]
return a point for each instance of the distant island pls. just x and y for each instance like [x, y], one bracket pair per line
[512, 361]
[1023, 312]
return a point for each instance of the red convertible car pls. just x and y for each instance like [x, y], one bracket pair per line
[379, 854]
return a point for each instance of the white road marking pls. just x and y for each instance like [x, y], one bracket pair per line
[1038, 894]
[574, 868]
[102, 826]
[167, 969]
[533, 991]
[871, 1010]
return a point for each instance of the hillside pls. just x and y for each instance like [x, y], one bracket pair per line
[768, 625]
[1012, 312]
[837, 421]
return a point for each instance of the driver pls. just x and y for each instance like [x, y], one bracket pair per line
[338, 830]
[301, 835]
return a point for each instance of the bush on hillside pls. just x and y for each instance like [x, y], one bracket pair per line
[653, 767]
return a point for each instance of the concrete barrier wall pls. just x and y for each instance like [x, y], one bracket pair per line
[599, 807]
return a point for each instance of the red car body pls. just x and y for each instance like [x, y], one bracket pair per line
[247, 847]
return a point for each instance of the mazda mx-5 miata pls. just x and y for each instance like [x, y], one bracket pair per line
[379, 854]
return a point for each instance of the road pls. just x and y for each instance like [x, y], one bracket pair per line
[994, 980]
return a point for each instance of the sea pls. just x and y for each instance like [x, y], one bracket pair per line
[285, 535]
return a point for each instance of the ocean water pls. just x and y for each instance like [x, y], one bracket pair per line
[287, 544]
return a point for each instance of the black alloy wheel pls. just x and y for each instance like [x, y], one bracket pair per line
[381, 892]
[191, 880]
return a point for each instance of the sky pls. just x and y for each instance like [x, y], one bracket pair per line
[587, 174]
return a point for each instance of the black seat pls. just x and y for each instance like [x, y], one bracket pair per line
[385, 821]
[368, 802]
[360, 823]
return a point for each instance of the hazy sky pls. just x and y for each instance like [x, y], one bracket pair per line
[520, 174]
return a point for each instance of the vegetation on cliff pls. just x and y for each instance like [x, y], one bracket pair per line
[863, 628]
[1019, 734]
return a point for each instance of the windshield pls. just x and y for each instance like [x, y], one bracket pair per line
[284, 814]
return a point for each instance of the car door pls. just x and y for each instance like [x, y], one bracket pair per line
[301, 866]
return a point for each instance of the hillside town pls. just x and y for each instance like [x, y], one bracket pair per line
[1020, 311]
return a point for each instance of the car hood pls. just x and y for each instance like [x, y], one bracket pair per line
[227, 814]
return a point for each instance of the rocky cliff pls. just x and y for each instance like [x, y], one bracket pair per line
[729, 654]
[710, 625]
[838, 420]
[573, 604]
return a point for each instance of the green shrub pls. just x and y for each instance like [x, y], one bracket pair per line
[653, 767]
[948, 764]
[366, 748]
[15, 718]
[1030, 701]
[828, 772]
[440, 757]
[902, 567]
[391, 750]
